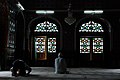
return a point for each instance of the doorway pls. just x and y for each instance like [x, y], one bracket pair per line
[44, 45]
[45, 41]
[92, 42]
[40, 48]
[92, 47]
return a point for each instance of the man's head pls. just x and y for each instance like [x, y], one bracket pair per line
[60, 54]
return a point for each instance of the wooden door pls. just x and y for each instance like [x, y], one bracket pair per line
[91, 50]
[40, 48]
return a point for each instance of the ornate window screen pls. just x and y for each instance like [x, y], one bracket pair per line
[97, 45]
[84, 45]
[51, 45]
[91, 26]
[39, 45]
[46, 26]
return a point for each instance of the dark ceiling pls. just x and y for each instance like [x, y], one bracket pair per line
[63, 4]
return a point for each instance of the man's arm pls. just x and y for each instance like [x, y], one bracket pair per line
[28, 69]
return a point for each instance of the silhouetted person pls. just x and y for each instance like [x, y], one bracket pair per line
[60, 65]
[20, 68]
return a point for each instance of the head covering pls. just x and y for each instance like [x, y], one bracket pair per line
[60, 54]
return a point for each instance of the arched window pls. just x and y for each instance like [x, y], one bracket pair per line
[91, 39]
[94, 42]
[91, 26]
[46, 39]
[46, 26]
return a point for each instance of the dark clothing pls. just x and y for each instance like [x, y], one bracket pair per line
[19, 68]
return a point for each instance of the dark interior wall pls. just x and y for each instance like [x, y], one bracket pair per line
[114, 19]
[20, 36]
[68, 34]
[68, 47]
[3, 33]
[112, 16]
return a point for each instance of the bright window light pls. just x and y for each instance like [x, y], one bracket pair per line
[93, 11]
[44, 12]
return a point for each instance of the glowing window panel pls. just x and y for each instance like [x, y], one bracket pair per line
[84, 45]
[46, 26]
[52, 45]
[39, 45]
[97, 45]
[91, 26]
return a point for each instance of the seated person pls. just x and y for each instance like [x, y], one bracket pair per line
[20, 68]
[60, 65]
